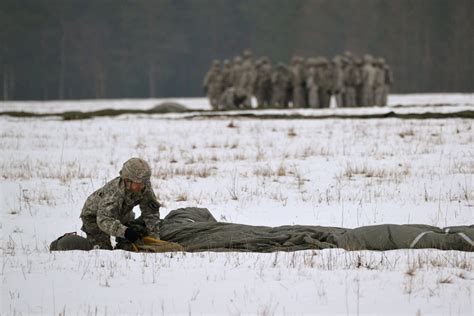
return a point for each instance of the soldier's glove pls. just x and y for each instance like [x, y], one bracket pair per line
[131, 234]
[139, 226]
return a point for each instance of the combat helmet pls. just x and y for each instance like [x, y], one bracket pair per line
[247, 53]
[136, 170]
[368, 58]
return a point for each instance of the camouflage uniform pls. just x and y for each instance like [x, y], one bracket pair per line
[258, 92]
[232, 99]
[337, 72]
[388, 82]
[107, 211]
[323, 75]
[311, 83]
[226, 75]
[298, 82]
[247, 78]
[246, 84]
[281, 86]
[368, 81]
[359, 64]
[263, 83]
[379, 82]
[213, 84]
[352, 80]
[236, 71]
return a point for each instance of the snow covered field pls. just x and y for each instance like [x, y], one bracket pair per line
[425, 100]
[346, 173]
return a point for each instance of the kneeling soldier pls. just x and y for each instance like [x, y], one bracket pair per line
[109, 209]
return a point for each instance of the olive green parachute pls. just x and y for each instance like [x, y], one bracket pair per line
[197, 230]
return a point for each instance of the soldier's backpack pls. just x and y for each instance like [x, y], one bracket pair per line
[70, 241]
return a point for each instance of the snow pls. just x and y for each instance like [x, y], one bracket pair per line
[331, 172]
[394, 100]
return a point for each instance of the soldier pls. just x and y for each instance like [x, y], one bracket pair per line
[359, 64]
[352, 80]
[280, 86]
[258, 94]
[249, 75]
[379, 82]
[263, 83]
[108, 210]
[232, 99]
[213, 84]
[298, 79]
[311, 83]
[323, 75]
[288, 95]
[337, 88]
[368, 81]
[246, 83]
[248, 59]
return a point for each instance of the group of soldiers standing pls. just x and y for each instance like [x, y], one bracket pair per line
[306, 83]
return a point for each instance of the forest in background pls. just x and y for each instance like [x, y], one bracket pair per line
[84, 49]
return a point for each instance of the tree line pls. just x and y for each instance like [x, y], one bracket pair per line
[55, 49]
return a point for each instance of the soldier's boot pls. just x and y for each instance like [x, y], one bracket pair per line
[100, 241]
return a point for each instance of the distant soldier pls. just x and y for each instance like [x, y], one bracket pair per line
[280, 86]
[298, 78]
[337, 73]
[109, 209]
[312, 83]
[368, 81]
[379, 82]
[232, 99]
[324, 81]
[246, 83]
[258, 94]
[263, 83]
[352, 79]
[248, 58]
[249, 73]
[359, 65]
[213, 84]
[388, 82]
[348, 56]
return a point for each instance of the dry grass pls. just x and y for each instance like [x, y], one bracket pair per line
[291, 132]
[181, 197]
[406, 133]
[306, 172]
[188, 172]
[411, 271]
[445, 280]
